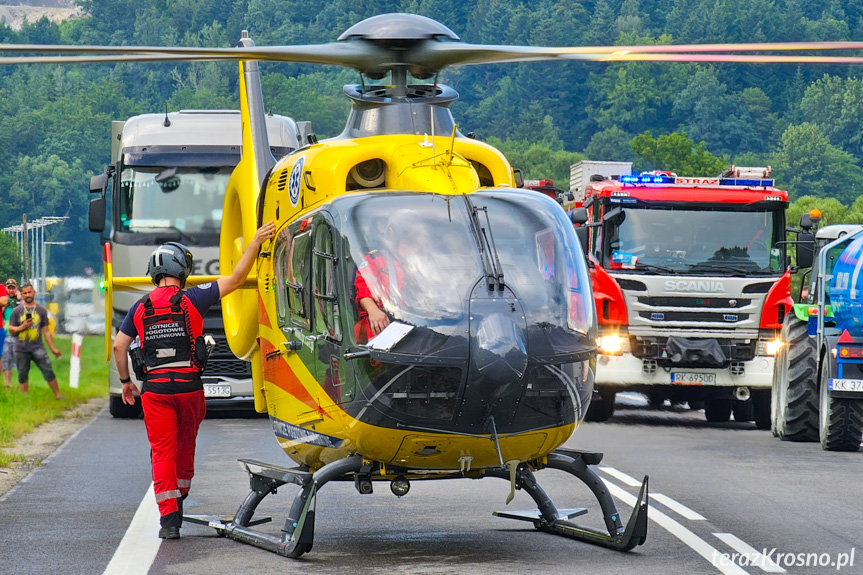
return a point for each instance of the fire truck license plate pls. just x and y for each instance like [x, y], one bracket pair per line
[213, 390]
[689, 378]
[846, 385]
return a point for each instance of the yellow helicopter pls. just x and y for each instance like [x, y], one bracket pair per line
[417, 317]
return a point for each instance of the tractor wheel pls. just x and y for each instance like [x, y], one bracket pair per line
[841, 421]
[795, 391]
[717, 409]
[601, 408]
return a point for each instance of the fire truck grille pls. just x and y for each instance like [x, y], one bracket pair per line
[694, 302]
[694, 316]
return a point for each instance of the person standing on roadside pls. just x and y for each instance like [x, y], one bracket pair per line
[29, 324]
[4, 299]
[169, 325]
[8, 350]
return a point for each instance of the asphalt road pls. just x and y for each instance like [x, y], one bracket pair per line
[73, 513]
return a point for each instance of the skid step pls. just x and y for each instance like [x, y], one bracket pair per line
[219, 521]
[535, 515]
[589, 457]
[295, 475]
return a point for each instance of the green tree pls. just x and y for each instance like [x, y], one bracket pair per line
[806, 163]
[10, 263]
[538, 161]
[611, 145]
[836, 105]
[677, 153]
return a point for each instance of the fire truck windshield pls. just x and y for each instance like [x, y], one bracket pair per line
[183, 204]
[699, 242]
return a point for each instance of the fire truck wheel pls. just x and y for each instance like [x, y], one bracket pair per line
[717, 409]
[841, 421]
[120, 410]
[743, 410]
[761, 403]
[795, 391]
[601, 408]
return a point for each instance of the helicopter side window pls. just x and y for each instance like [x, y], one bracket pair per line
[324, 273]
[282, 261]
[297, 277]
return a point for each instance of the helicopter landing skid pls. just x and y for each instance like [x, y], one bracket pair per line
[547, 518]
[298, 533]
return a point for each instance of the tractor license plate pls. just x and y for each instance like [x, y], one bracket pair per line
[691, 378]
[846, 385]
[213, 390]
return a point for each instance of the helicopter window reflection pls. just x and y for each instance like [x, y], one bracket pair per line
[185, 201]
[297, 276]
[415, 256]
[323, 266]
[541, 258]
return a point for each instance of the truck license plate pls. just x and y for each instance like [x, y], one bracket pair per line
[691, 378]
[213, 390]
[846, 385]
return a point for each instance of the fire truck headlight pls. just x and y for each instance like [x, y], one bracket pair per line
[613, 344]
[769, 347]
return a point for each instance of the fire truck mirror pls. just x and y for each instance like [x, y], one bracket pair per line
[614, 217]
[583, 238]
[579, 216]
[805, 245]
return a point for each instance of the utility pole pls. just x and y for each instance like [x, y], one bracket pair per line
[26, 268]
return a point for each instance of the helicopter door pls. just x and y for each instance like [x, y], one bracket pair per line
[327, 329]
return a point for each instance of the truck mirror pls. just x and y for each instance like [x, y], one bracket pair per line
[582, 233]
[614, 217]
[519, 179]
[806, 222]
[570, 197]
[97, 214]
[579, 216]
[805, 249]
[587, 203]
[99, 184]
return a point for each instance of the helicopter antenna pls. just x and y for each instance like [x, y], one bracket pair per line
[431, 113]
[452, 145]
[167, 122]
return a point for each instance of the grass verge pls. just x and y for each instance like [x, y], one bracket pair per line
[21, 413]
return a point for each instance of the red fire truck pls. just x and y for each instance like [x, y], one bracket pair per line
[691, 284]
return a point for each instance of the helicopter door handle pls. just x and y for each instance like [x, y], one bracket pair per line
[357, 354]
[291, 346]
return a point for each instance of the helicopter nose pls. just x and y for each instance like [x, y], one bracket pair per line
[499, 354]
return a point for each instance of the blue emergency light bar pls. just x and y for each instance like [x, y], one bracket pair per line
[690, 181]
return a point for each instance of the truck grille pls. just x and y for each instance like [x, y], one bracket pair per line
[653, 348]
[694, 302]
[680, 316]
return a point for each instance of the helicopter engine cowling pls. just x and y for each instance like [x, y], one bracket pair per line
[240, 308]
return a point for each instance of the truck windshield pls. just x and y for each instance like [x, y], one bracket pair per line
[699, 242]
[173, 203]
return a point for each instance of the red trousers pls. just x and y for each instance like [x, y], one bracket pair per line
[172, 423]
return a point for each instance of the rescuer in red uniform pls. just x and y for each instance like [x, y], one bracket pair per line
[381, 276]
[169, 325]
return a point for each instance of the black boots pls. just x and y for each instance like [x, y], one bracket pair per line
[169, 533]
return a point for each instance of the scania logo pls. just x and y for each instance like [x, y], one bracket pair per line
[703, 286]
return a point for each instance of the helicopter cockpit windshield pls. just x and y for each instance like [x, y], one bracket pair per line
[420, 258]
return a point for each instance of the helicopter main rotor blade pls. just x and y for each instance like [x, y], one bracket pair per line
[438, 55]
[363, 56]
[429, 55]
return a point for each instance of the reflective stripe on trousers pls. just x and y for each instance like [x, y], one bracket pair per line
[172, 422]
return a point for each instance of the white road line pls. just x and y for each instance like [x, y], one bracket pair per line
[621, 476]
[756, 558]
[137, 550]
[678, 508]
[695, 542]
